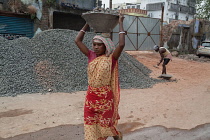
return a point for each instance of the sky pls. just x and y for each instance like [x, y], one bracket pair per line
[106, 2]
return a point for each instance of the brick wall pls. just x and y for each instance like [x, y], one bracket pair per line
[44, 24]
[172, 27]
[133, 10]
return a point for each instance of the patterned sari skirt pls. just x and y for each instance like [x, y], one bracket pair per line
[99, 114]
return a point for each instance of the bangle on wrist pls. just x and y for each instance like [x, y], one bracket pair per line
[122, 32]
[82, 31]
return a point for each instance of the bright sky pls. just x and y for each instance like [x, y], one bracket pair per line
[106, 2]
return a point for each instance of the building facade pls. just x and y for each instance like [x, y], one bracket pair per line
[40, 15]
[173, 9]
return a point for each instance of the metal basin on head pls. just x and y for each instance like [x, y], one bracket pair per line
[101, 22]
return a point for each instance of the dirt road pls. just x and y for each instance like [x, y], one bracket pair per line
[178, 109]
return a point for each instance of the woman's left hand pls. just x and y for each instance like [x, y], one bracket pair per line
[121, 18]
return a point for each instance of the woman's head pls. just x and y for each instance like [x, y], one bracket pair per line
[98, 47]
[103, 45]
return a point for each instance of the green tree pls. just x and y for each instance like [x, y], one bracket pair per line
[203, 9]
[51, 2]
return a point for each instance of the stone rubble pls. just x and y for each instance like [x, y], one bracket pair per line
[193, 57]
[51, 62]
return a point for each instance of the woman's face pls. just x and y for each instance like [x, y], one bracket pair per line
[99, 48]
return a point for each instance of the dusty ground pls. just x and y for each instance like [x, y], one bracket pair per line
[181, 103]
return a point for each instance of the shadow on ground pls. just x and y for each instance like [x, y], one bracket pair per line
[76, 132]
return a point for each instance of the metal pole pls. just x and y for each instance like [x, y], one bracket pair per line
[137, 25]
[110, 7]
[161, 28]
[110, 4]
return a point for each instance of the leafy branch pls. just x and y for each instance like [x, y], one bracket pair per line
[203, 9]
[51, 2]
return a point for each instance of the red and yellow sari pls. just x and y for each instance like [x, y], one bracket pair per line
[102, 99]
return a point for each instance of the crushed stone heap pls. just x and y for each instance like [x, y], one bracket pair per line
[51, 61]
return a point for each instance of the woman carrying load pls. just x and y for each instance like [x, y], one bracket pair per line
[103, 93]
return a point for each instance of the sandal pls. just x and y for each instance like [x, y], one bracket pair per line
[118, 137]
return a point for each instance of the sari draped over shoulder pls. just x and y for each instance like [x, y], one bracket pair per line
[102, 99]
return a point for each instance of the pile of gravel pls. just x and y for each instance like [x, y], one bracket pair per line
[51, 61]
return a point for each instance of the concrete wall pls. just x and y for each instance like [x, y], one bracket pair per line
[81, 4]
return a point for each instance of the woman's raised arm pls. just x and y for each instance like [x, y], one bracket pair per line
[117, 52]
[79, 38]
